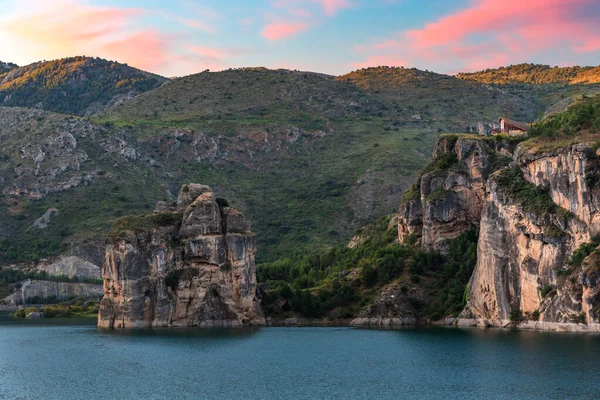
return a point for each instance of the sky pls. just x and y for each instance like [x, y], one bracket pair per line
[180, 37]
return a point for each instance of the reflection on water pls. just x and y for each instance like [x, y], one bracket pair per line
[72, 359]
[184, 333]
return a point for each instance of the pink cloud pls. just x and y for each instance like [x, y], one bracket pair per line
[74, 27]
[147, 50]
[210, 52]
[490, 33]
[278, 31]
[332, 7]
[291, 17]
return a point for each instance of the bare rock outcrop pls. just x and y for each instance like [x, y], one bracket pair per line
[394, 307]
[191, 263]
[525, 273]
[43, 290]
[448, 197]
[71, 266]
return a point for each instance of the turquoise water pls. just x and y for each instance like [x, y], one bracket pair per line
[71, 359]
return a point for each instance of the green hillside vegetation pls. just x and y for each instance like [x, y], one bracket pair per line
[442, 99]
[248, 100]
[299, 152]
[73, 85]
[310, 158]
[118, 187]
[339, 282]
[534, 74]
[581, 116]
[579, 123]
[76, 308]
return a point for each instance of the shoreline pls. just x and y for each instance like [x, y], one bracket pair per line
[399, 323]
[392, 323]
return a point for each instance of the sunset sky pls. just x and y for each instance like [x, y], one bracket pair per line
[179, 37]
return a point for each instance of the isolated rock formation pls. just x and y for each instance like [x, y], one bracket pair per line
[191, 263]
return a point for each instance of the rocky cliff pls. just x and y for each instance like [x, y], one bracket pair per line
[536, 216]
[537, 265]
[37, 291]
[191, 263]
[448, 197]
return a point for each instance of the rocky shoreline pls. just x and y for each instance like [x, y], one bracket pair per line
[398, 323]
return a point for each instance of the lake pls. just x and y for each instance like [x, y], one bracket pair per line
[71, 359]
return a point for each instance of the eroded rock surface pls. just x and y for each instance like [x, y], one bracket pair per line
[43, 290]
[448, 197]
[525, 274]
[191, 263]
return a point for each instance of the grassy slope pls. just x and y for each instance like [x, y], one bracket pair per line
[554, 89]
[360, 148]
[118, 188]
[444, 100]
[317, 190]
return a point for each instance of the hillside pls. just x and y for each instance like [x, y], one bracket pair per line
[534, 74]
[441, 99]
[5, 67]
[444, 98]
[311, 158]
[76, 85]
[494, 232]
[62, 180]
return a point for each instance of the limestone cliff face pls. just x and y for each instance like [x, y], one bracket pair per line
[190, 264]
[523, 269]
[447, 199]
[33, 289]
[570, 175]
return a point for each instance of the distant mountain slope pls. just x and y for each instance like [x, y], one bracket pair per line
[62, 180]
[308, 157]
[440, 97]
[76, 85]
[458, 100]
[5, 67]
[246, 100]
[536, 74]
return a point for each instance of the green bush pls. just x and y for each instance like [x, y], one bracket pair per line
[515, 314]
[532, 198]
[584, 114]
[369, 275]
[546, 290]
[583, 251]
[147, 222]
[441, 164]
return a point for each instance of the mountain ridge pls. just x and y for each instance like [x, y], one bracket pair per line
[310, 157]
[535, 74]
[74, 85]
